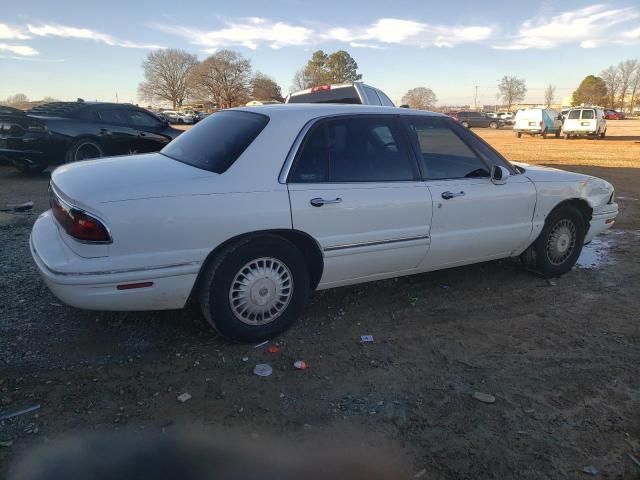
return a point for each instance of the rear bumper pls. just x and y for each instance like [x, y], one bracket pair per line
[83, 288]
[601, 220]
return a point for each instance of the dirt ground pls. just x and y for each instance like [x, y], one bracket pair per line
[561, 358]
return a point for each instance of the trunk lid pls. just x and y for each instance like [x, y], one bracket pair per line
[130, 177]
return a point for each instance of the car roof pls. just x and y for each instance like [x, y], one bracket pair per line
[316, 110]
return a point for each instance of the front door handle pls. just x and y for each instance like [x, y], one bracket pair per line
[318, 202]
[449, 195]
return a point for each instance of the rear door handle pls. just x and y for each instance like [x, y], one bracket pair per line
[449, 195]
[318, 202]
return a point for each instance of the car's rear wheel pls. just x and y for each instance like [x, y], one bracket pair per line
[255, 288]
[83, 149]
[30, 168]
[465, 124]
[557, 133]
[519, 134]
[544, 134]
[558, 246]
[604, 132]
[567, 136]
[493, 125]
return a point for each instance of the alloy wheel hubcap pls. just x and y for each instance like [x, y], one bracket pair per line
[86, 151]
[261, 291]
[561, 242]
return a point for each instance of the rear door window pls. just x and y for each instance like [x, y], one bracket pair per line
[216, 142]
[355, 149]
[113, 115]
[588, 114]
[574, 115]
[372, 96]
[444, 155]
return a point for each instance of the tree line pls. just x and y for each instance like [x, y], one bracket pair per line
[617, 86]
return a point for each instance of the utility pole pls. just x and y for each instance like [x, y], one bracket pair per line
[475, 98]
[117, 97]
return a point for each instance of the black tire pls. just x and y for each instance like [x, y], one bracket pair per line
[493, 125]
[602, 135]
[544, 134]
[215, 288]
[519, 134]
[83, 149]
[567, 136]
[557, 133]
[465, 124]
[30, 168]
[558, 246]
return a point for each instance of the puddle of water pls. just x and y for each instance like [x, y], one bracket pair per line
[598, 252]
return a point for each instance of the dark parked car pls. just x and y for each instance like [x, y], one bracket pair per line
[478, 119]
[61, 132]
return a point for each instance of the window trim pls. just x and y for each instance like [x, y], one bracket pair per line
[296, 149]
[448, 123]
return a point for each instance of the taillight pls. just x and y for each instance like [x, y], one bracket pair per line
[78, 224]
[320, 88]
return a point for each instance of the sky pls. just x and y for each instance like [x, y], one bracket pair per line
[69, 49]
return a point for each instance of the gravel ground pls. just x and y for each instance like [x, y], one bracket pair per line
[561, 358]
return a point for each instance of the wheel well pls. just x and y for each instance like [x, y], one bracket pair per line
[581, 205]
[304, 242]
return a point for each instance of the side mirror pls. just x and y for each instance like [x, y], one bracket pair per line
[499, 175]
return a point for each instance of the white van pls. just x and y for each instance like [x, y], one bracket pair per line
[583, 122]
[537, 121]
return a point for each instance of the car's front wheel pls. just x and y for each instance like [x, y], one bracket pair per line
[493, 125]
[255, 288]
[465, 124]
[557, 248]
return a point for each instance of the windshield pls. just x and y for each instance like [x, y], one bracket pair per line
[216, 142]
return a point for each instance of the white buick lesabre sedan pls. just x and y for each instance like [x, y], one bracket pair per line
[254, 208]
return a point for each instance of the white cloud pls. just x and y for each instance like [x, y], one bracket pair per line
[250, 32]
[409, 32]
[631, 34]
[587, 27]
[63, 31]
[7, 32]
[24, 50]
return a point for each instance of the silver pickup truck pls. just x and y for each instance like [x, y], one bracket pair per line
[352, 92]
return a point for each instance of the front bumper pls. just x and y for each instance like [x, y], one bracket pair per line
[97, 290]
[602, 219]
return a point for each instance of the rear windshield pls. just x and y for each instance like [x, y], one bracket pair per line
[588, 114]
[217, 141]
[335, 95]
[574, 114]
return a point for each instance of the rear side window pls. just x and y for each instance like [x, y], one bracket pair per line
[588, 114]
[372, 96]
[355, 149]
[574, 114]
[333, 95]
[444, 154]
[215, 143]
[113, 115]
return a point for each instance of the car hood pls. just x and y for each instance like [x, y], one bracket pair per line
[128, 177]
[538, 173]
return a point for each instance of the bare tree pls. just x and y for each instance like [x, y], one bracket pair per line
[299, 81]
[17, 99]
[549, 95]
[626, 72]
[511, 90]
[264, 87]
[225, 78]
[166, 76]
[420, 98]
[611, 78]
